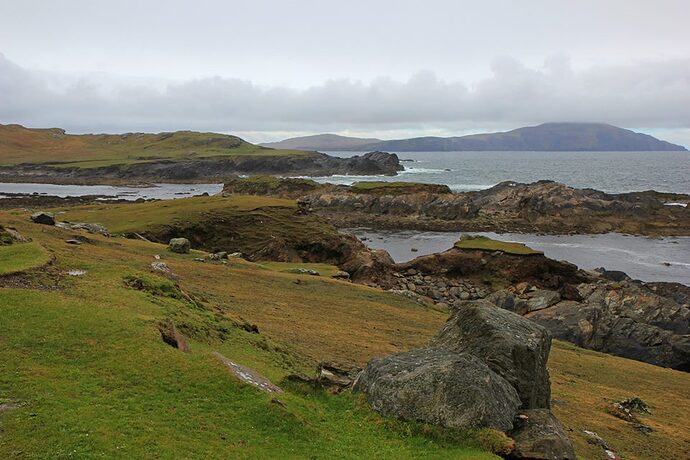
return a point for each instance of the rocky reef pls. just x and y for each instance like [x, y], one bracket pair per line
[544, 206]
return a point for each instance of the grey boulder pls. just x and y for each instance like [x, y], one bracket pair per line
[455, 390]
[45, 218]
[513, 347]
[179, 245]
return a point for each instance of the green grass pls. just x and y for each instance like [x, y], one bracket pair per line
[22, 145]
[22, 256]
[487, 244]
[94, 380]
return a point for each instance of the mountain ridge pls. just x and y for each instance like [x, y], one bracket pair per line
[562, 136]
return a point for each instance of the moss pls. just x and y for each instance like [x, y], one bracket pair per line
[484, 243]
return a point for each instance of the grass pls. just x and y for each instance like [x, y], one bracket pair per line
[22, 256]
[94, 380]
[487, 244]
[23, 145]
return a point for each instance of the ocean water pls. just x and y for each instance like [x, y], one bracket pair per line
[613, 172]
[157, 191]
[647, 259]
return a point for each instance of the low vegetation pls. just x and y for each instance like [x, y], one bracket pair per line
[53, 146]
[22, 256]
[84, 372]
[487, 244]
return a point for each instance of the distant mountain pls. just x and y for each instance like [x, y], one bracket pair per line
[545, 137]
[323, 142]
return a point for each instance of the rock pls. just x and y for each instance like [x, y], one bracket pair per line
[218, 255]
[329, 374]
[612, 275]
[248, 375]
[236, 255]
[161, 267]
[539, 436]
[625, 319]
[340, 274]
[506, 300]
[45, 218]
[172, 336]
[455, 390]
[571, 292]
[303, 271]
[542, 298]
[515, 348]
[89, 227]
[9, 235]
[179, 245]
[76, 242]
[635, 405]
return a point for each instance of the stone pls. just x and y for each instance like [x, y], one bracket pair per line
[513, 347]
[539, 436]
[75, 242]
[172, 336]
[303, 271]
[218, 255]
[342, 275]
[45, 218]
[542, 298]
[180, 245]
[236, 255]
[455, 390]
[506, 300]
[248, 375]
[329, 374]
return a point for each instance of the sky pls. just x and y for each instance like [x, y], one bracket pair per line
[266, 70]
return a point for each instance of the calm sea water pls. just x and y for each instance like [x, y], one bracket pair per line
[612, 172]
[157, 191]
[647, 259]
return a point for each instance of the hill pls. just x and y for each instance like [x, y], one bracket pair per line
[85, 372]
[324, 142]
[51, 155]
[545, 137]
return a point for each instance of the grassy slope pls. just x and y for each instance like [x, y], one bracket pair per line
[487, 244]
[97, 381]
[21, 256]
[23, 145]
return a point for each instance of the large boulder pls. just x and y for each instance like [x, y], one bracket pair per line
[179, 245]
[515, 348]
[45, 218]
[445, 388]
[538, 435]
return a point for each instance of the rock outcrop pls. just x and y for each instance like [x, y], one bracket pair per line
[481, 369]
[45, 218]
[543, 206]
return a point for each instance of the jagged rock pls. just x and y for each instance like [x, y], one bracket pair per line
[612, 275]
[454, 390]
[9, 235]
[538, 435]
[329, 374]
[515, 348]
[45, 218]
[542, 298]
[626, 320]
[506, 300]
[180, 245]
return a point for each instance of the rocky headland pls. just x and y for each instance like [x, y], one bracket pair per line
[539, 207]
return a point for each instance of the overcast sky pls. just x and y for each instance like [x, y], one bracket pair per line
[267, 70]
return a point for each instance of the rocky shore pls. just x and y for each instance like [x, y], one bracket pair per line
[539, 207]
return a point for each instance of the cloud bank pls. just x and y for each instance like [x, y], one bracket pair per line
[647, 95]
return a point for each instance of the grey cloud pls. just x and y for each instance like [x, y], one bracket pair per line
[648, 94]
